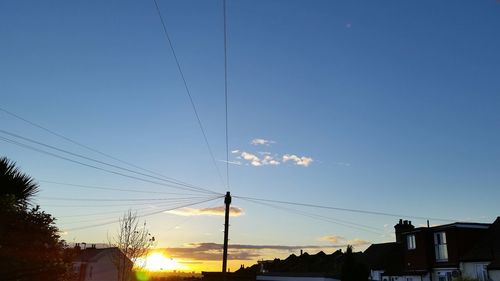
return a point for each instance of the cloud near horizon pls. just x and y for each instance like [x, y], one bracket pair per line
[214, 211]
[213, 251]
[340, 241]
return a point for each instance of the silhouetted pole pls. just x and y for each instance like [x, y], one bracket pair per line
[227, 201]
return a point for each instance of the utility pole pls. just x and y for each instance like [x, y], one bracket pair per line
[227, 201]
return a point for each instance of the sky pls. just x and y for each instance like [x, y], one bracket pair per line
[386, 106]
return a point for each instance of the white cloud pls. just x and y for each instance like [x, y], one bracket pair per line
[300, 161]
[261, 142]
[257, 161]
[215, 211]
[252, 158]
[235, 151]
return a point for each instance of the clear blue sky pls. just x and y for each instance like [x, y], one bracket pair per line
[396, 102]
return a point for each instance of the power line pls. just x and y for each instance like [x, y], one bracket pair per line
[193, 188]
[321, 218]
[344, 209]
[108, 218]
[98, 204]
[145, 215]
[188, 92]
[225, 93]
[88, 165]
[117, 199]
[110, 188]
[85, 146]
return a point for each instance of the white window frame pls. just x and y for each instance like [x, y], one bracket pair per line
[440, 246]
[410, 242]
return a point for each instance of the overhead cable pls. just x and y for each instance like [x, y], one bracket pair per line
[188, 92]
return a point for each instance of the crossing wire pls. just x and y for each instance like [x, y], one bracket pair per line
[87, 165]
[321, 218]
[225, 92]
[192, 188]
[343, 209]
[83, 145]
[170, 205]
[110, 188]
[188, 92]
[145, 215]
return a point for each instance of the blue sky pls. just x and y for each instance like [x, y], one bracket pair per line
[396, 103]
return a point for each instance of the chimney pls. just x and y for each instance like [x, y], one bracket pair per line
[84, 245]
[301, 252]
[402, 227]
[92, 246]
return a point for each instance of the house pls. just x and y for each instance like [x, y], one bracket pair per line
[94, 264]
[437, 253]
[482, 261]
[384, 258]
[295, 277]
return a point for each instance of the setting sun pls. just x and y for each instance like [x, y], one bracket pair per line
[159, 262]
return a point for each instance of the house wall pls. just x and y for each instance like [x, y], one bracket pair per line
[376, 274]
[459, 241]
[403, 278]
[293, 278]
[102, 270]
[418, 258]
[494, 275]
[469, 269]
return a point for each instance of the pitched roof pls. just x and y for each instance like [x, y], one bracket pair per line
[92, 254]
[385, 256]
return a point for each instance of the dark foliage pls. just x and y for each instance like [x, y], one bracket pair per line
[13, 182]
[30, 246]
[352, 268]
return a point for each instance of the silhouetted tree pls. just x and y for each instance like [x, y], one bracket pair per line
[133, 240]
[30, 246]
[14, 182]
[352, 269]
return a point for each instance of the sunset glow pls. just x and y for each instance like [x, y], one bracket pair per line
[159, 262]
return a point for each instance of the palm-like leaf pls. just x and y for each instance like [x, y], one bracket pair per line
[15, 183]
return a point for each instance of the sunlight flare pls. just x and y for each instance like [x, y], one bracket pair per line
[159, 262]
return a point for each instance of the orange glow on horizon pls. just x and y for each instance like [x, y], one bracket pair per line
[158, 262]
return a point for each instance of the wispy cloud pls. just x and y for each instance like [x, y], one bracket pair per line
[214, 211]
[332, 238]
[298, 160]
[261, 142]
[230, 162]
[339, 241]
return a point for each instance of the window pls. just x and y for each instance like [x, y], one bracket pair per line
[440, 246]
[481, 272]
[410, 241]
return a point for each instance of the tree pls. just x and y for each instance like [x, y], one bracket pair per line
[30, 246]
[133, 240]
[352, 269]
[13, 182]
